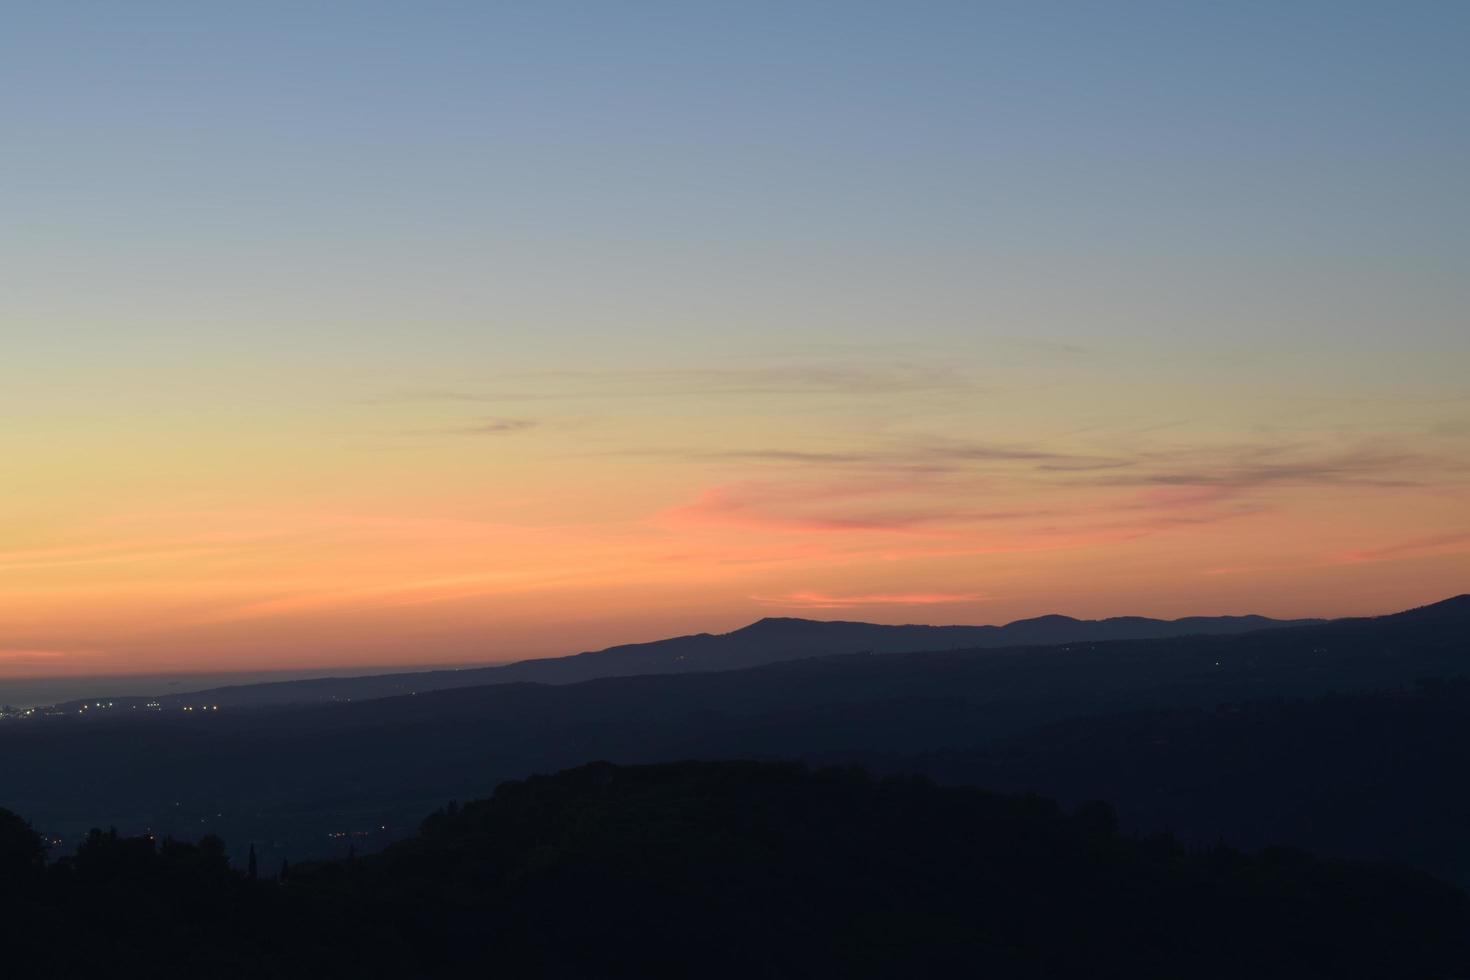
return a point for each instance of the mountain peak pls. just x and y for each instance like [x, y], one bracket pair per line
[773, 624]
[1050, 619]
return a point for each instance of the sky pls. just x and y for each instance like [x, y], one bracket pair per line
[384, 333]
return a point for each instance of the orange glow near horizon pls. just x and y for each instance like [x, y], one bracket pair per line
[350, 337]
[436, 544]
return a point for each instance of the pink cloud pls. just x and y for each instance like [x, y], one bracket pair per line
[28, 655]
[931, 513]
[868, 506]
[1438, 544]
[1165, 498]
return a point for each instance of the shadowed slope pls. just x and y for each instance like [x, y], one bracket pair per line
[739, 870]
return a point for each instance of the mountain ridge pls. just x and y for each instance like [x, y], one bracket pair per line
[771, 639]
[300, 774]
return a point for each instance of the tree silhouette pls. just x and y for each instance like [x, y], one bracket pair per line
[21, 848]
[732, 870]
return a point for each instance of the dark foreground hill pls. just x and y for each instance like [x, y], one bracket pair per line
[764, 642]
[733, 870]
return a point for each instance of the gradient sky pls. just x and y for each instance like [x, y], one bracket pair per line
[356, 333]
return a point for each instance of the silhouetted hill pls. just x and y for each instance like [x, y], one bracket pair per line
[287, 778]
[1455, 610]
[770, 640]
[734, 870]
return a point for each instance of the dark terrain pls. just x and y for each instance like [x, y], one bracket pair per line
[731, 870]
[763, 642]
[1326, 736]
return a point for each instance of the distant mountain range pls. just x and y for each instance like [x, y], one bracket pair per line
[1350, 736]
[771, 640]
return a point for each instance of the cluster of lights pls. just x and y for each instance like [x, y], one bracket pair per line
[354, 833]
[203, 707]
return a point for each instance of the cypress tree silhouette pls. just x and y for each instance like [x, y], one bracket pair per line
[251, 868]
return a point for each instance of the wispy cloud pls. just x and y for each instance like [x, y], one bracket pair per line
[121, 552]
[483, 427]
[764, 455]
[27, 656]
[1053, 348]
[912, 455]
[953, 497]
[823, 600]
[1434, 544]
[797, 379]
[1274, 466]
[1235, 469]
[871, 506]
[397, 593]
